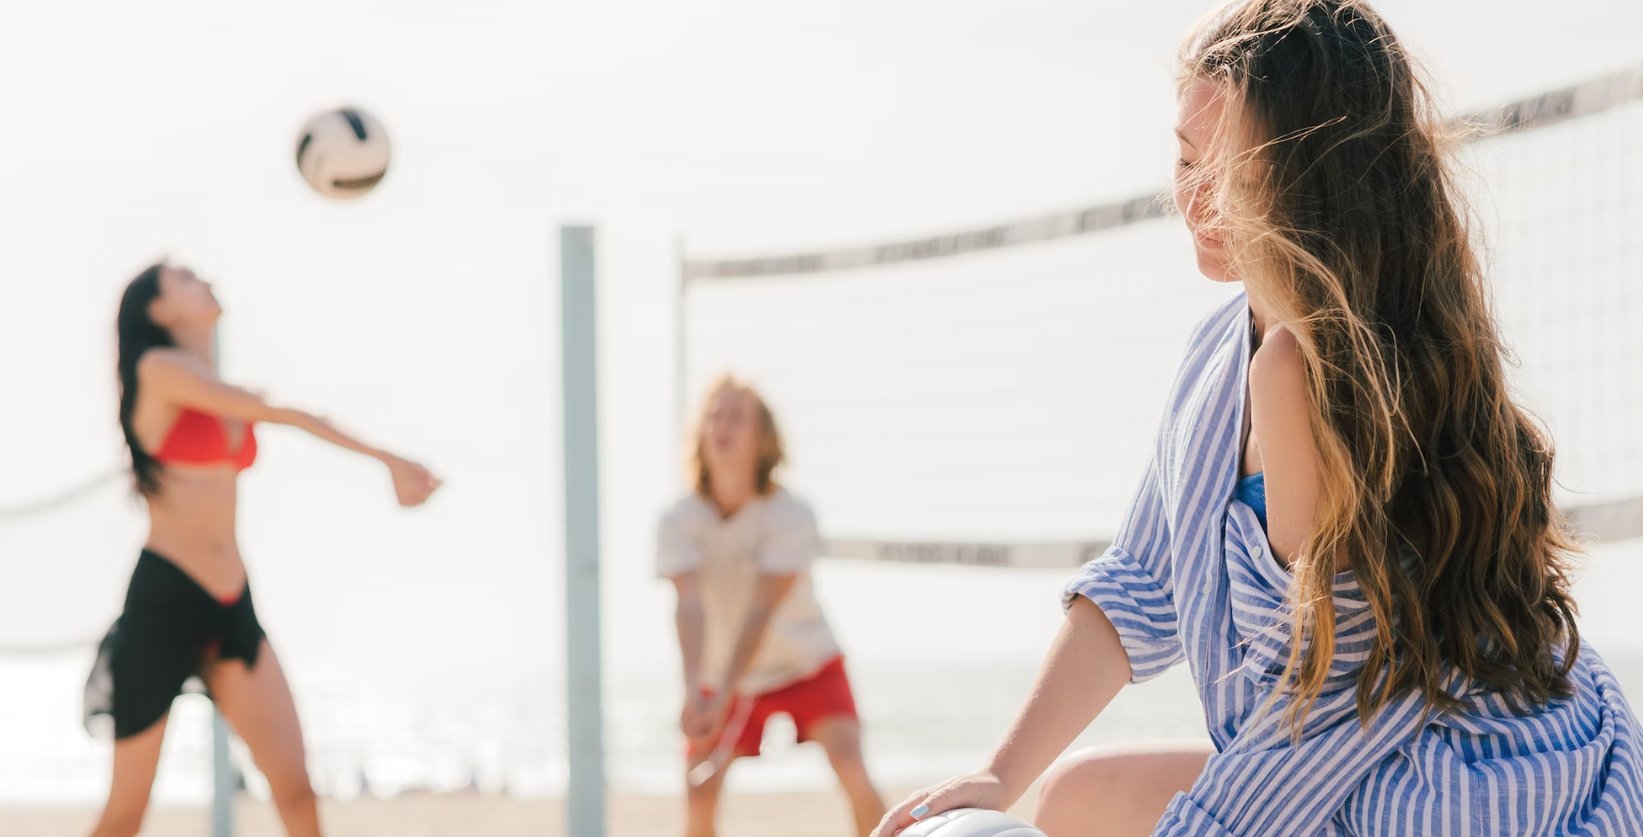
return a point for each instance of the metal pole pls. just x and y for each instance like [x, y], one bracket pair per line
[222, 778]
[222, 767]
[578, 336]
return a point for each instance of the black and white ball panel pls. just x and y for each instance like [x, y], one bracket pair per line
[343, 153]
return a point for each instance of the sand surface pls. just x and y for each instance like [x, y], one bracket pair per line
[750, 815]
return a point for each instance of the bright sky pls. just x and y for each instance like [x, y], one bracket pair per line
[425, 316]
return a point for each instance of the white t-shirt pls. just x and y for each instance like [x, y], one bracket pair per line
[773, 535]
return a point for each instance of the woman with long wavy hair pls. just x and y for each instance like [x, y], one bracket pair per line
[188, 609]
[1347, 529]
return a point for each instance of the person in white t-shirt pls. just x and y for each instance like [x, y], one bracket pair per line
[738, 549]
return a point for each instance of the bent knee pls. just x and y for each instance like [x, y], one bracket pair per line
[1078, 776]
[1080, 789]
[1127, 787]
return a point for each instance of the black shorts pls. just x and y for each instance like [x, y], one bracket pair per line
[169, 629]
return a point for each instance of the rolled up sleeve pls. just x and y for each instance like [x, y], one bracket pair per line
[1131, 583]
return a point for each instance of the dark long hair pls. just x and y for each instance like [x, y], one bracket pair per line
[137, 334]
[1349, 225]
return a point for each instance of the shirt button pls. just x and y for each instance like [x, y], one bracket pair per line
[1208, 587]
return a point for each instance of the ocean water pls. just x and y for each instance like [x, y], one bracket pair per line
[940, 657]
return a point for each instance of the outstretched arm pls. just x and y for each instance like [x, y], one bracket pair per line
[1120, 627]
[180, 378]
[689, 618]
[712, 712]
[770, 592]
[1085, 668]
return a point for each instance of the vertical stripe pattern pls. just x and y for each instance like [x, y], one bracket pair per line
[1190, 578]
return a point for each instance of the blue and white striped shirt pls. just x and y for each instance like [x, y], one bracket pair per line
[1190, 577]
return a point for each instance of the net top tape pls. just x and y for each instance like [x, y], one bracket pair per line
[1550, 108]
[1611, 520]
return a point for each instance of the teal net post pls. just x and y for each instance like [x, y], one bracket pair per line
[223, 786]
[578, 335]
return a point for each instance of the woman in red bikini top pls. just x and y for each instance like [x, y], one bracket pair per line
[188, 610]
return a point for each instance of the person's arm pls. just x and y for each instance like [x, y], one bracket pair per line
[679, 560]
[179, 378]
[787, 548]
[1120, 628]
[1084, 670]
[766, 597]
[1273, 779]
[687, 617]
[1133, 583]
[1281, 418]
[323, 429]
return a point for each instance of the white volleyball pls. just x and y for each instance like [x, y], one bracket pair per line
[971, 822]
[343, 153]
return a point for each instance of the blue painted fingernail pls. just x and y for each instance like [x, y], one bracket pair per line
[919, 812]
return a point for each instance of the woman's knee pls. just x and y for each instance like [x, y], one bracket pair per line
[1073, 780]
[1127, 786]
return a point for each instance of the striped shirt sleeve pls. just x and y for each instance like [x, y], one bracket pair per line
[1131, 583]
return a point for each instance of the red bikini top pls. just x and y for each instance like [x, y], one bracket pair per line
[200, 439]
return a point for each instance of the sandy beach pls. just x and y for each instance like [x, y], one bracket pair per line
[748, 815]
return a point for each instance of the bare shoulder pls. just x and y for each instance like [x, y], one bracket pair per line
[1277, 373]
[166, 362]
[1281, 418]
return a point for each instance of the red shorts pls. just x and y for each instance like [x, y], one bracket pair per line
[824, 695]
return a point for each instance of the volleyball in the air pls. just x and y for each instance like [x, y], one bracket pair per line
[343, 153]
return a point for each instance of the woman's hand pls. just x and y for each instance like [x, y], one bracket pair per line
[713, 711]
[412, 483]
[690, 719]
[980, 789]
[703, 717]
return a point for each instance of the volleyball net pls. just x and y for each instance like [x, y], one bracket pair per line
[990, 395]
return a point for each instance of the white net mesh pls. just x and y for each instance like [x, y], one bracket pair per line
[1564, 206]
[1003, 385]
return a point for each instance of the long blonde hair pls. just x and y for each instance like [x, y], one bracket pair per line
[772, 453]
[1335, 189]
